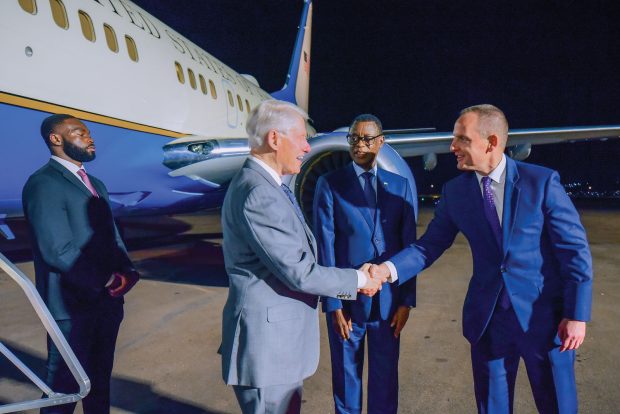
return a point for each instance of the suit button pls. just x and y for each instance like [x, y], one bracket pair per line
[503, 269]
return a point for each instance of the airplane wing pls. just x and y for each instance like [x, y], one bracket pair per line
[519, 140]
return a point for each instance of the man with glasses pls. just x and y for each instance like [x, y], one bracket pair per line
[364, 214]
[270, 331]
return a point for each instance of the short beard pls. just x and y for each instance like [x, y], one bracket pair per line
[76, 153]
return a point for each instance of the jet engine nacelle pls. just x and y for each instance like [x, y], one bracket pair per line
[330, 152]
[520, 152]
[430, 161]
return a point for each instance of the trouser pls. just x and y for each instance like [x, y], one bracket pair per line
[275, 399]
[92, 337]
[347, 358]
[495, 360]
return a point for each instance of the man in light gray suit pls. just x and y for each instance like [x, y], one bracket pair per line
[270, 331]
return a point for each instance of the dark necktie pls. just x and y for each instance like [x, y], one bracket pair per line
[86, 181]
[291, 197]
[490, 211]
[491, 214]
[369, 193]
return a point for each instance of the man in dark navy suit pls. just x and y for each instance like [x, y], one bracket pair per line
[81, 265]
[363, 213]
[531, 290]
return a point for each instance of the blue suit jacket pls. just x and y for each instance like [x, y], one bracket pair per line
[545, 261]
[347, 237]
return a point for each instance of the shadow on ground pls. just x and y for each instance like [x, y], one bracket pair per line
[127, 394]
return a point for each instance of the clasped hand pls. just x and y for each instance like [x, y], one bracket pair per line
[376, 275]
[122, 283]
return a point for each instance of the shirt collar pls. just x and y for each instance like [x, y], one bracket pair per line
[359, 170]
[68, 164]
[267, 168]
[497, 175]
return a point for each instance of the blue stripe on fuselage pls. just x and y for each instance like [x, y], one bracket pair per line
[127, 162]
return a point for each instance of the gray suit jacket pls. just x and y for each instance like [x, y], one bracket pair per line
[270, 332]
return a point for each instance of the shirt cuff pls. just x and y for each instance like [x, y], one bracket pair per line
[110, 281]
[361, 279]
[393, 273]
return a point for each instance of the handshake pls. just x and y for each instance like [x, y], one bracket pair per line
[376, 275]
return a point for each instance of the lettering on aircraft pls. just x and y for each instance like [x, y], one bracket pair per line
[135, 17]
[142, 21]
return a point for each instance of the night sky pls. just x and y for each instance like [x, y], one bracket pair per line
[417, 63]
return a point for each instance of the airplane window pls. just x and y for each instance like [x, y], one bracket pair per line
[203, 84]
[247, 106]
[88, 30]
[240, 103]
[213, 90]
[192, 78]
[132, 49]
[29, 6]
[180, 75]
[110, 38]
[59, 13]
[231, 101]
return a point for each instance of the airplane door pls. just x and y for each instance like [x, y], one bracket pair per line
[232, 112]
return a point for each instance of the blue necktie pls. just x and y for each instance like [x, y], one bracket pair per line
[369, 193]
[291, 197]
[371, 200]
[490, 213]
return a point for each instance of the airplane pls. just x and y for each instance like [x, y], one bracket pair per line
[167, 116]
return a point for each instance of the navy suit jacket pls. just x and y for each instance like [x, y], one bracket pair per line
[76, 246]
[347, 237]
[544, 261]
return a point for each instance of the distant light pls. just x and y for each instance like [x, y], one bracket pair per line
[432, 186]
[589, 187]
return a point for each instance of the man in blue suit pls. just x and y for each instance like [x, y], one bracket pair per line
[531, 290]
[363, 213]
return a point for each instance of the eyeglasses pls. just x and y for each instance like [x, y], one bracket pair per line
[353, 139]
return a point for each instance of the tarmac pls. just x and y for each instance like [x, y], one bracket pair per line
[166, 355]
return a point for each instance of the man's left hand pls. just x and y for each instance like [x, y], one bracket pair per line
[123, 282]
[571, 333]
[400, 319]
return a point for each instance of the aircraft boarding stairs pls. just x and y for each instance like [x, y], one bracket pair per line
[56, 336]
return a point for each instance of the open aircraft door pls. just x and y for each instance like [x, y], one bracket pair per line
[61, 343]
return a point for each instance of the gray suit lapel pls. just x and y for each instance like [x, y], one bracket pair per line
[249, 163]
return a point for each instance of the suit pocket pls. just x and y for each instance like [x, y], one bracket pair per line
[284, 312]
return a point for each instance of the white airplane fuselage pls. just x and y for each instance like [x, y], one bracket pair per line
[134, 103]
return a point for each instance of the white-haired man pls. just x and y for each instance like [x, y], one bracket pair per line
[270, 332]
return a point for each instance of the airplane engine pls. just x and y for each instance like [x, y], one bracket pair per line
[520, 152]
[430, 161]
[330, 152]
